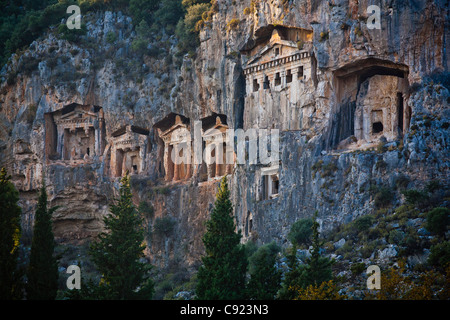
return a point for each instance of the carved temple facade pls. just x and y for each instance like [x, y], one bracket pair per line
[129, 149]
[279, 74]
[177, 148]
[75, 133]
[371, 103]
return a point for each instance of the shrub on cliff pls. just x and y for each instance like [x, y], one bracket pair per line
[438, 220]
[301, 232]
[265, 278]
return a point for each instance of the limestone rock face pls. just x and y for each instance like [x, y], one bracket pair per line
[335, 88]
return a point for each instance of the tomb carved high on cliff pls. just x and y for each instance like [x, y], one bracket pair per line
[177, 158]
[174, 131]
[215, 146]
[280, 77]
[75, 134]
[371, 99]
[129, 149]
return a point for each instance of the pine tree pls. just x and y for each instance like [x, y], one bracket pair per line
[42, 272]
[265, 278]
[317, 269]
[10, 231]
[222, 275]
[118, 252]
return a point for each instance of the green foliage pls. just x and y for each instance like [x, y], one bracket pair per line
[324, 35]
[10, 231]
[416, 197]
[139, 45]
[315, 271]
[28, 64]
[164, 226]
[142, 10]
[118, 252]
[363, 223]
[357, 268]
[146, 209]
[438, 220]
[187, 29]
[381, 147]
[265, 278]
[402, 182]
[111, 37]
[383, 197]
[21, 22]
[222, 275]
[161, 190]
[433, 186]
[71, 35]
[327, 290]
[301, 232]
[168, 14]
[42, 275]
[440, 255]
[396, 237]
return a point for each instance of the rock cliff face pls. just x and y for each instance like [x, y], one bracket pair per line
[355, 108]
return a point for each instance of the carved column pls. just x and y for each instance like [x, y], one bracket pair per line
[96, 142]
[176, 172]
[60, 142]
[166, 160]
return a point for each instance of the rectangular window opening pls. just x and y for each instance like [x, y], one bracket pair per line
[288, 76]
[277, 79]
[300, 72]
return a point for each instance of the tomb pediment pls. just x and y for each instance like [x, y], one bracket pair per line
[214, 123]
[168, 121]
[79, 113]
[177, 132]
[269, 36]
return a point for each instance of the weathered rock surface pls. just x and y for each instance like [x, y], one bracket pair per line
[313, 173]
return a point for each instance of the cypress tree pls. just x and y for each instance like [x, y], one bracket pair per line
[42, 272]
[10, 231]
[222, 275]
[118, 252]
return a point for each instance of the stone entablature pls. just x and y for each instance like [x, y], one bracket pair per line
[275, 64]
[70, 122]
